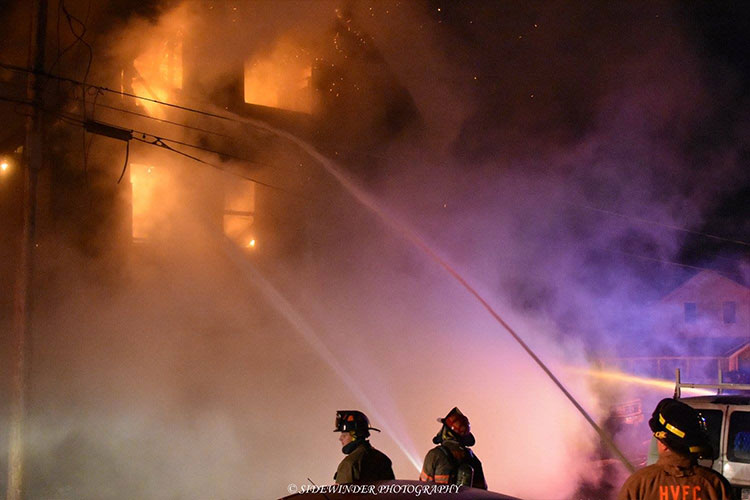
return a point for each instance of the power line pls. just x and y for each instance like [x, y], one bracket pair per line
[201, 148]
[647, 221]
[669, 262]
[149, 117]
[122, 93]
[169, 122]
[188, 127]
[162, 143]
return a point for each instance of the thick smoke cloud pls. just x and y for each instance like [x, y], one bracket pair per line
[183, 369]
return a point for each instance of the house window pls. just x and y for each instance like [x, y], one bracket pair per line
[158, 72]
[730, 312]
[239, 211]
[280, 78]
[148, 199]
[691, 312]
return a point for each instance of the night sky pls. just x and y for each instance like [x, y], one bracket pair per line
[546, 67]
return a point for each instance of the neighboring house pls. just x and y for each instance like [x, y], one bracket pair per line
[707, 305]
[701, 327]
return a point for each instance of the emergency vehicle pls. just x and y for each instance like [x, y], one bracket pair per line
[727, 418]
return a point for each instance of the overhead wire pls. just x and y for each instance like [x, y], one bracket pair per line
[162, 143]
[671, 263]
[125, 165]
[79, 37]
[60, 53]
[189, 127]
[201, 148]
[127, 94]
[156, 119]
[647, 221]
[159, 142]
[169, 122]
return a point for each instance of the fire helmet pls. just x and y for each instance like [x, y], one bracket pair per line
[681, 428]
[458, 424]
[353, 421]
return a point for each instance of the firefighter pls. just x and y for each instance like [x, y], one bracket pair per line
[451, 461]
[681, 439]
[363, 463]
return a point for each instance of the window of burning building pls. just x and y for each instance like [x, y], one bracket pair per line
[160, 203]
[280, 78]
[147, 198]
[158, 71]
[239, 211]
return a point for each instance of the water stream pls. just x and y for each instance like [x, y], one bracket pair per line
[392, 221]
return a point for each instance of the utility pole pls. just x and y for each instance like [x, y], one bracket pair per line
[21, 329]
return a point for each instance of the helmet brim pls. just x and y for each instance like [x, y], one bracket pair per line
[369, 429]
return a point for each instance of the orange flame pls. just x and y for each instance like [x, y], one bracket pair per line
[280, 79]
[158, 73]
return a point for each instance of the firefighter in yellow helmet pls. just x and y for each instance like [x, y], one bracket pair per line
[451, 461]
[363, 463]
[681, 439]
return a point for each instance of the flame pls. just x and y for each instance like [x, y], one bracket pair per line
[4, 166]
[158, 72]
[147, 198]
[280, 79]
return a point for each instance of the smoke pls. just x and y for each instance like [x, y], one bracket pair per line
[526, 145]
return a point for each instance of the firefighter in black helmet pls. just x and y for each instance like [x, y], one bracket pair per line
[363, 463]
[681, 439]
[451, 461]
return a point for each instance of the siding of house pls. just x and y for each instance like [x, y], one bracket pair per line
[707, 305]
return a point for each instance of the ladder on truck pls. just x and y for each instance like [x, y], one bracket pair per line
[720, 387]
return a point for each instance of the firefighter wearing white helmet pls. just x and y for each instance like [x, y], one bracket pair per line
[452, 462]
[681, 439]
[363, 464]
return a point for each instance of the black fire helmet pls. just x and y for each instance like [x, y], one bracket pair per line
[353, 421]
[681, 428]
